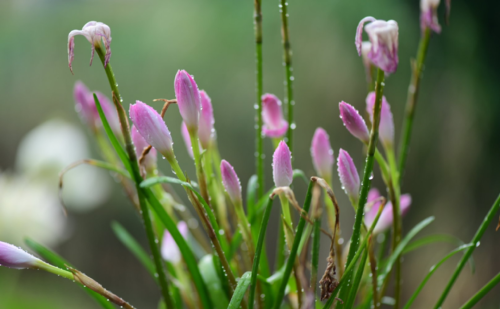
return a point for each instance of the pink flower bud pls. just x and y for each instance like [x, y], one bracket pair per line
[230, 181]
[93, 31]
[354, 122]
[282, 166]
[187, 139]
[386, 128]
[169, 249]
[14, 257]
[140, 144]
[348, 175]
[206, 125]
[386, 217]
[322, 153]
[188, 99]
[152, 127]
[428, 15]
[383, 36]
[110, 112]
[85, 105]
[275, 126]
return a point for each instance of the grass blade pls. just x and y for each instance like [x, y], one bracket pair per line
[482, 292]
[240, 291]
[53, 258]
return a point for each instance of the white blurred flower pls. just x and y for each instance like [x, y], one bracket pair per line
[29, 209]
[47, 149]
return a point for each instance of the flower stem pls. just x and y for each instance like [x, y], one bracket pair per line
[117, 99]
[481, 293]
[258, 75]
[195, 145]
[287, 58]
[365, 186]
[411, 100]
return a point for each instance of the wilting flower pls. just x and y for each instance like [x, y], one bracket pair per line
[15, 257]
[93, 31]
[206, 125]
[383, 36]
[169, 249]
[386, 128]
[275, 126]
[428, 15]
[322, 153]
[354, 123]
[140, 144]
[188, 99]
[152, 127]
[57, 144]
[231, 182]
[386, 217]
[366, 46]
[348, 175]
[187, 139]
[282, 166]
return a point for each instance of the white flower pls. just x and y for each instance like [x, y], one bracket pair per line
[93, 31]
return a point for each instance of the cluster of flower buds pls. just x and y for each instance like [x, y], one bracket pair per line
[282, 166]
[275, 126]
[383, 35]
[322, 154]
[386, 217]
[94, 32]
[428, 15]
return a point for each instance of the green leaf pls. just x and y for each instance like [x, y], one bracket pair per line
[399, 249]
[481, 293]
[133, 246]
[251, 193]
[301, 174]
[240, 291]
[357, 280]
[214, 285]
[431, 272]
[53, 258]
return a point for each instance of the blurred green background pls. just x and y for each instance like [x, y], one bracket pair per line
[453, 167]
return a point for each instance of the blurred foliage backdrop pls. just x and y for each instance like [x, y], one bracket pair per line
[453, 167]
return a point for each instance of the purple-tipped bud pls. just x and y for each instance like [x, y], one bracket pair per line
[383, 36]
[15, 257]
[206, 125]
[187, 139]
[152, 127]
[230, 181]
[282, 166]
[169, 249]
[348, 175]
[386, 128]
[322, 153]
[140, 144]
[188, 99]
[428, 15]
[94, 32]
[354, 122]
[386, 217]
[275, 126]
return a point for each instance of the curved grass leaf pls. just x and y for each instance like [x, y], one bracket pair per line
[53, 258]
[477, 297]
[240, 291]
[301, 174]
[431, 272]
[214, 284]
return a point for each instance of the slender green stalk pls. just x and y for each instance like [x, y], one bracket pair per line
[138, 179]
[411, 100]
[258, 76]
[482, 292]
[357, 279]
[365, 187]
[55, 270]
[258, 252]
[287, 58]
[293, 252]
[195, 145]
[482, 228]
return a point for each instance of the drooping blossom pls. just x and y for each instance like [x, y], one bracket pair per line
[322, 153]
[94, 32]
[275, 126]
[428, 15]
[206, 125]
[383, 36]
[349, 177]
[187, 139]
[152, 127]
[366, 46]
[354, 123]
[282, 166]
[15, 257]
[188, 99]
[386, 217]
[140, 144]
[169, 249]
[386, 127]
[231, 182]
